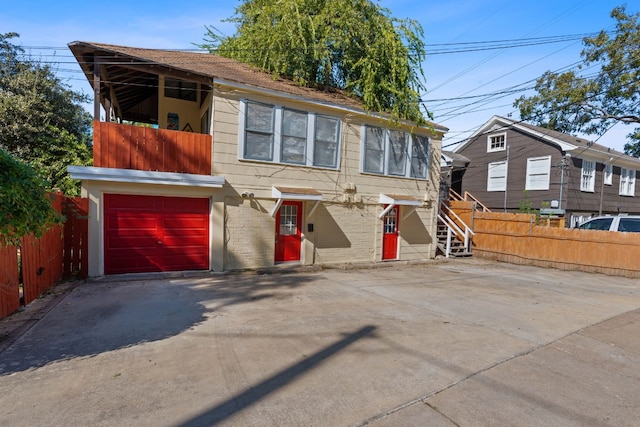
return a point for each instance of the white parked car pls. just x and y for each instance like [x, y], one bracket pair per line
[613, 223]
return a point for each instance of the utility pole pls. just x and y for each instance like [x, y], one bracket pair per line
[506, 175]
[563, 165]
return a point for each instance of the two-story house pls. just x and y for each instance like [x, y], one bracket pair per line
[236, 169]
[514, 165]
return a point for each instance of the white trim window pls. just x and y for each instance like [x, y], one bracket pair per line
[276, 134]
[497, 176]
[627, 182]
[258, 132]
[608, 174]
[587, 183]
[394, 153]
[538, 173]
[497, 142]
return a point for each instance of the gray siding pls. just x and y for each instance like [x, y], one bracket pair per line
[521, 148]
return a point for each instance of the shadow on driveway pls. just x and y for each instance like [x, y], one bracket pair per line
[98, 317]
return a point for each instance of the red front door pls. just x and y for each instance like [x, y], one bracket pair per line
[288, 232]
[154, 233]
[390, 235]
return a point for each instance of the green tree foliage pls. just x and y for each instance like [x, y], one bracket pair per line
[42, 121]
[352, 45]
[592, 102]
[25, 204]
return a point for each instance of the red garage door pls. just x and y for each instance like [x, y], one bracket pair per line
[152, 233]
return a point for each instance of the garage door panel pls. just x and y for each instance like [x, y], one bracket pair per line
[153, 233]
[122, 222]
[186, 205]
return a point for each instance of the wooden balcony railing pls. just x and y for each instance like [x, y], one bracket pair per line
[142, 148]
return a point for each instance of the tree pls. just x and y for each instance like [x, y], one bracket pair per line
[350, 45]
[25, 205]
[42, 121]
[573, 102]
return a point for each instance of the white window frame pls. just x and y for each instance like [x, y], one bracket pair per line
[501, 147]
[588, 176]
[627, 182]
[409, 154]
[495, 171]
[276, 156]
[542, 183]
[607, 172]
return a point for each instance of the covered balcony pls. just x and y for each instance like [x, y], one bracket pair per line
[155, 112]
[124, 146]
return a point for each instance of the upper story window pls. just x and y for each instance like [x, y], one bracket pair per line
[394, 153]
[627, 182]
[180, 89]
[497, 176]
[538, 172]
[281, 135]
[608, 174]
[496, 142]
[587, 183]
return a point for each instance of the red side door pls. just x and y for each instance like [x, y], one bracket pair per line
[390, 234]
[288, 232]
[154, 233]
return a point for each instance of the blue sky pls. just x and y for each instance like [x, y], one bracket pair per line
[46, 27]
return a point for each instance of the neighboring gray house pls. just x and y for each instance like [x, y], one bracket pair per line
[513, 163]
[452, 168]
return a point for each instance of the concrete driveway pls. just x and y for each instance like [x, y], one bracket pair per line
[451, 343]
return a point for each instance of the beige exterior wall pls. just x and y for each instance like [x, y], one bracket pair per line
[189, 112]
[346, 226]
[346, 223]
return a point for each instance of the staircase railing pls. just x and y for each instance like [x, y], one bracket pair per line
[445, 213]
[468, 197]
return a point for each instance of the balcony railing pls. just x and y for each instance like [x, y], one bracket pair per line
[142, 148]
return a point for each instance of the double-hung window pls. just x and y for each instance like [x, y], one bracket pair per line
[627, 182]
[419, 156]
[497, 176]
[394, 153]
[587, 182]
[294, 137]
[538, 172]
[281, 135]
[258, 132]
[608, 174]
[326, 134]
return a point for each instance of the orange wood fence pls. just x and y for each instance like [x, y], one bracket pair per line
[60, 253]
[9, 289]
[516, 238]
[123, 146]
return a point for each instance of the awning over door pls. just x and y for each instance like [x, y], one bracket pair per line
[295, 193]
[392, 200]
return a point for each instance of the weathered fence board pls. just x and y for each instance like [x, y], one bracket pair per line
[117, 145]
[60, 253]
[9, 284]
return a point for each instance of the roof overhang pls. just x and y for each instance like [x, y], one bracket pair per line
[295, 193]
[607, 157]
[503, 124]
[90, 173]
[392, 200]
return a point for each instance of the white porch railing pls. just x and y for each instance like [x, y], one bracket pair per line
[445, 215]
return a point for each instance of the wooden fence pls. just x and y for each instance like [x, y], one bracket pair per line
[519, 239]
[39, 264]
[124, 146]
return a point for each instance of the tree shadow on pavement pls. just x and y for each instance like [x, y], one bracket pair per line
[98, 317]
